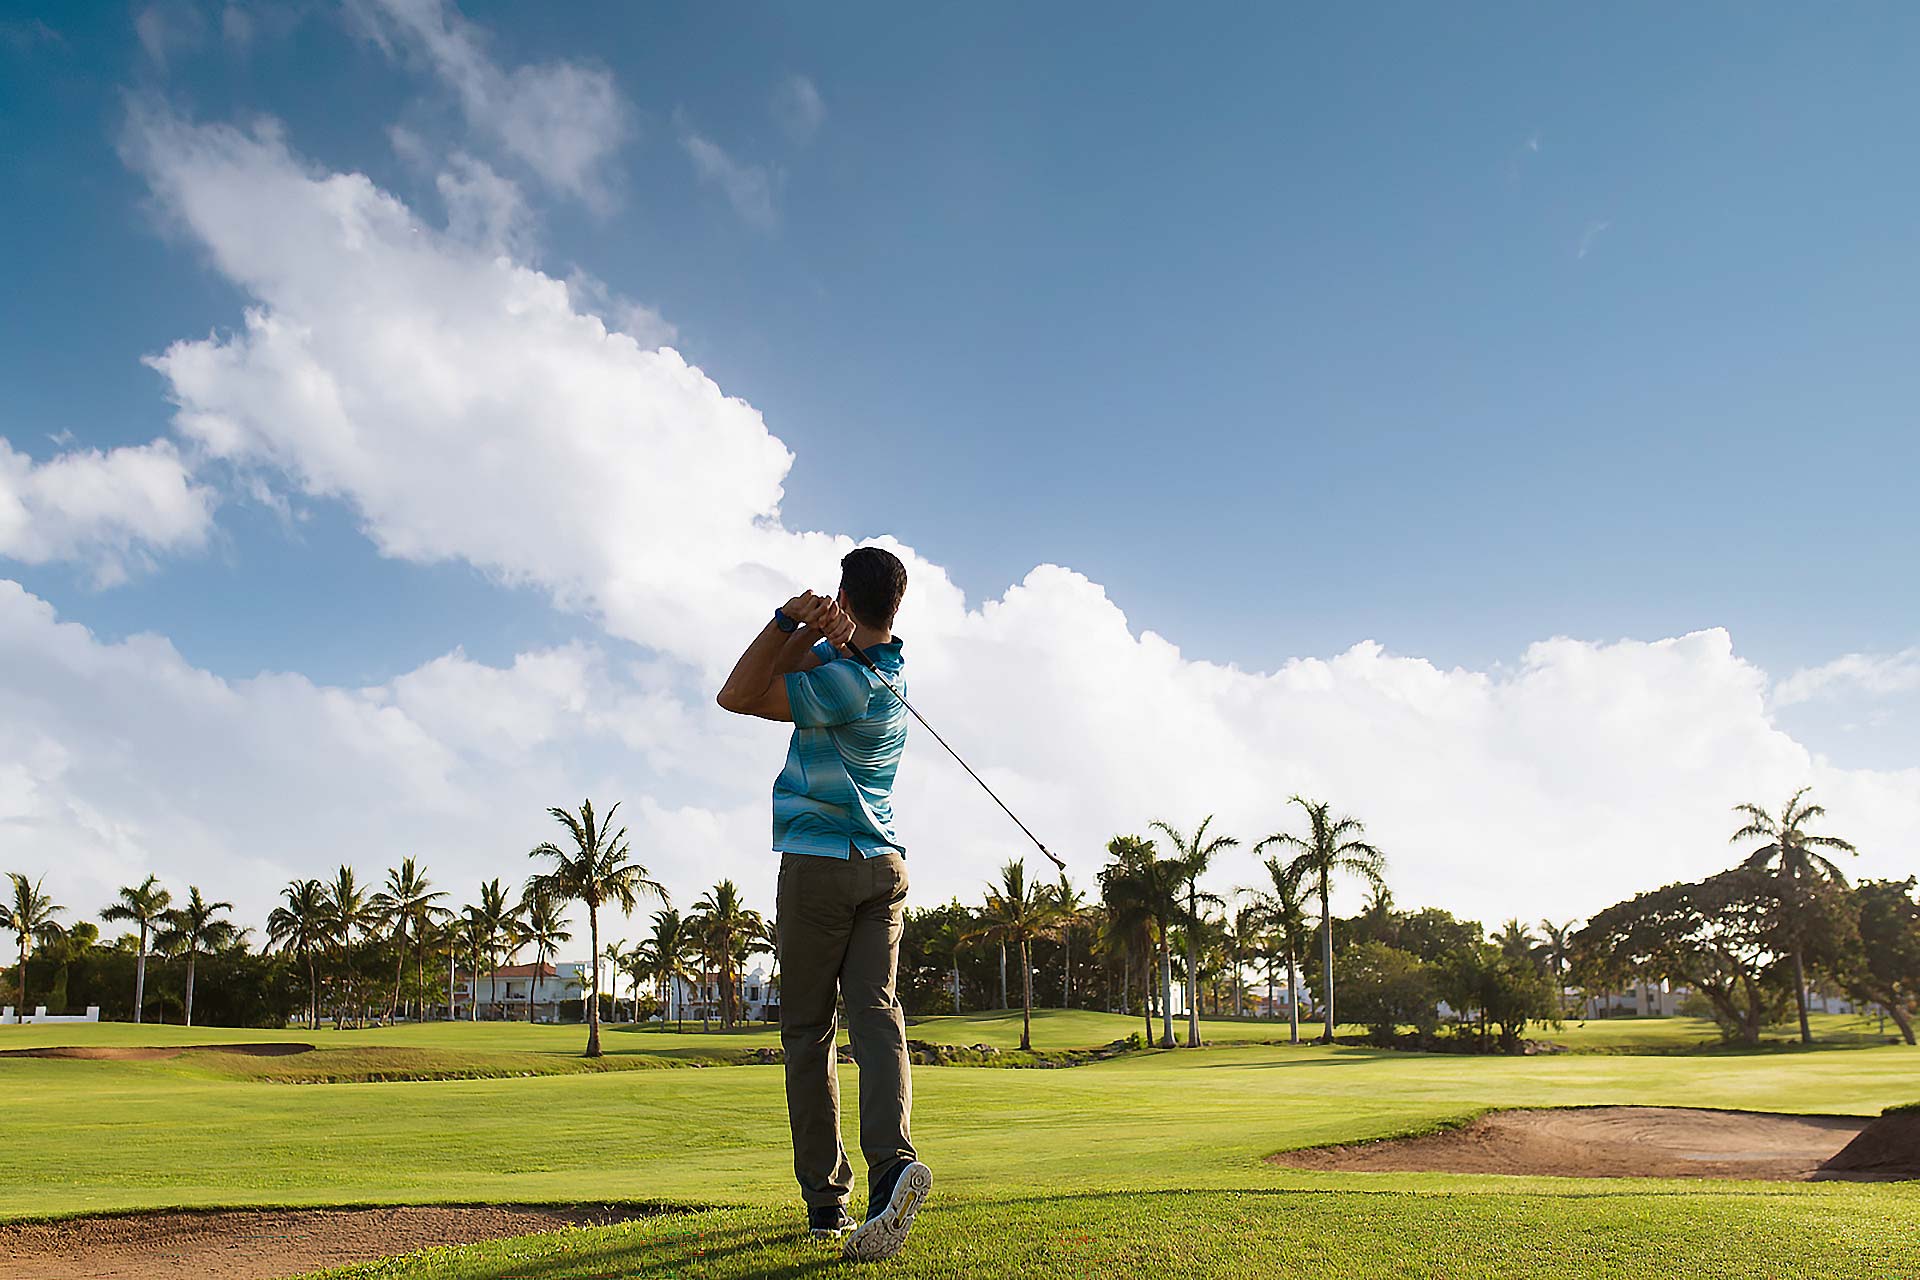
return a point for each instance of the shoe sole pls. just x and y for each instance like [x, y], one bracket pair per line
[883, 1236]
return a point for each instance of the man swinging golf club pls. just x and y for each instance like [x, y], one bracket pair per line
[842, 888]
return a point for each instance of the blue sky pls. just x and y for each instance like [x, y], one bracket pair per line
[1291, 329]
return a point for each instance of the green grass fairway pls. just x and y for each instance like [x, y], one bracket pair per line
[1117, 1168]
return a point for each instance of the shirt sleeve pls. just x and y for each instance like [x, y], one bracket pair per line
[832, 694]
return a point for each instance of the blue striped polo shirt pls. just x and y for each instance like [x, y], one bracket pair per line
[836, 788]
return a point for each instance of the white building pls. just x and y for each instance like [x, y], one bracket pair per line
[557, 993]
[756, 998]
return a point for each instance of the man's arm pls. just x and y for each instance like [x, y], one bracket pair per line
[758, 686]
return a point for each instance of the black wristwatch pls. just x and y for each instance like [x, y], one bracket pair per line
[782, 621]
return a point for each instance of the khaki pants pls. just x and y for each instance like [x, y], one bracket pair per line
[838, 926]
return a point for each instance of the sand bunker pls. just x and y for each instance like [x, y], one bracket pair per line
[259, 1244]
[1609, 1142]
[111, 1053]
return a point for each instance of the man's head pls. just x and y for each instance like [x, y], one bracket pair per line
[871, 584]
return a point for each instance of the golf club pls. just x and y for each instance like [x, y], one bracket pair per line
[868, 663]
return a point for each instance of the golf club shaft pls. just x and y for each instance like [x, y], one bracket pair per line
[870, 665]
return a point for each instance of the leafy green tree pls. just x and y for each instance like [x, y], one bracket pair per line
[1387, 988]
[143, 905]
[1883, 967]
[1722, 936]
[1331, 847]
[596, 868]
[302, 924]
[1142, 890]
[1018, 911]
[932, 941]
[1194, 856]
[29, 914]
[194, 928]
[1793, 853]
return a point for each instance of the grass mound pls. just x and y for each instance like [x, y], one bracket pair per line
[1887, 1148]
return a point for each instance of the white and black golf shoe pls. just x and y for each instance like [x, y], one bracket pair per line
[884, 1232]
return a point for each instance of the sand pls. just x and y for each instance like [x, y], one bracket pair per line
[1608, 1142]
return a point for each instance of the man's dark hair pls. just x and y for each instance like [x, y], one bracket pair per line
[873, 580]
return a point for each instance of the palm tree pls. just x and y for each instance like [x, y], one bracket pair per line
[1142, 890]
[598, 868]
[635, 965]
[301, 924]
[28, 917]
[350, 911]
[615, 954]
[1516, 942]
[1332, 847]
[475, 932]
[1128, 933]
[499, 922]
[947, 939]
[1194, 856]
[666, 956]
[1243, 931]
[726, 921]
[544, 928]
[1555, 950]
[143, 905]
[192, 929]
[1790, 852]
[1286, 915]
[1072, 904]
[406, 903]
[1017, 912]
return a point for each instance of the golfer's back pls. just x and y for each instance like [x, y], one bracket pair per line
[836, 788]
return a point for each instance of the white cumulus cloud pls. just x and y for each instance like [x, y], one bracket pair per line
[109, 511]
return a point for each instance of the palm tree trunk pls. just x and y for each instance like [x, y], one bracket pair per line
[1166, 991]
[20, 1014]
[1800, 995]
[956, 982]
[1193, 970]
[1326, 949]
[1066, 968]
[140, 977]
[593, 994]
[1026, 998]
[1293, 998]
[1004, 1002]
[190, 958]
[313, 992]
